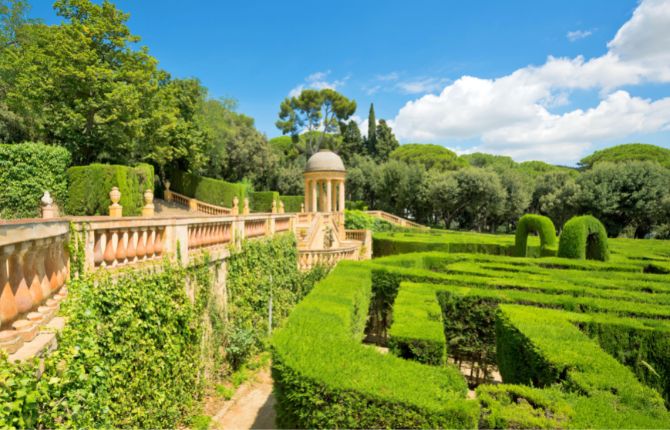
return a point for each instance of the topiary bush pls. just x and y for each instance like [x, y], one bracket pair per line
[214, 191]
[359, 220]
[541, 225]
[27, 170]
[89, 187]
[584, 237]
[292, 204]
[261, 201]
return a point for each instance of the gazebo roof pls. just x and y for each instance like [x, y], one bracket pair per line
[325, 161]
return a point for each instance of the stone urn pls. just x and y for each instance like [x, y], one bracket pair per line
[148, 209]
[115, 210]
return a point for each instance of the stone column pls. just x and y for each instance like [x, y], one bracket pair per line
[313, 207]
[308, 187]
[329, 195]
[342, 199]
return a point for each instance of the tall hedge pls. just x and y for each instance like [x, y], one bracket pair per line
[541, 225]
[89, 188]
[27, 170]
[209, 190]
[292, 204]
[584, 237]
[261, 201]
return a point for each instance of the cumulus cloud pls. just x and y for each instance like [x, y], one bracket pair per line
[574, 36]
[511, 114]
[318, 81]
[421, 85]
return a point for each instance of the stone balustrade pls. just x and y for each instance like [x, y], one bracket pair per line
[205, 235]
[282, 224]
[255, 227]
[327, 257]
[34, 267]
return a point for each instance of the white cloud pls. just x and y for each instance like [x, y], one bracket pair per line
[510, 114]
[393, 76]
[318, 81]
[574, 36]
[421, 85]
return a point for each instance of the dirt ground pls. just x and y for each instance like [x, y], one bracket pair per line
[252, 406]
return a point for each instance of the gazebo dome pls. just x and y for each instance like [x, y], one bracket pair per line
[325, 161]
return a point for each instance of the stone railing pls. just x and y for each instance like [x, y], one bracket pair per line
[255, 227]
[327, 257]
[364, 236]
[282, 224]
[394, 219]
[206, 235]
[34, 266]
[195, 205]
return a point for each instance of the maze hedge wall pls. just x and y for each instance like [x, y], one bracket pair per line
[261, 201]
[89, 187]
[292, 204]
[550, 325]
[584, 237]
[536, 224]
[27, 170]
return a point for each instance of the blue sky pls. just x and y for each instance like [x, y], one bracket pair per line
[413, 60]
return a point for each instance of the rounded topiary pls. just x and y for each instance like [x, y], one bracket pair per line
[584, 237]
[541, 225]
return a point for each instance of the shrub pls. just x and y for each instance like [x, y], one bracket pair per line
[359, 220]
[261, 201]
[292, 204]
[27, 170]
[542, 225]
[214, 191]
[89, 188]
[584, 237]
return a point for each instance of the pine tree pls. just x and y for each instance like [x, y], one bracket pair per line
[371, 141]
[386, 142]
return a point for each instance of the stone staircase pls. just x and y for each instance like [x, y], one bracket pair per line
[395, 219]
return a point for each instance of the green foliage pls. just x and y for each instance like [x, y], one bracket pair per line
[124, 337]
[429, 156]
[261, 201]
[264, 272]
[324, 377]
[371, 138]
[359, 220]
[543, 227]
[89, 188]
[292, 204]
[480, 159]
[626, 153]
[417, 329]
[208, 190]
[584, 237]
[318, 112]
[27, 170]
[386, 141]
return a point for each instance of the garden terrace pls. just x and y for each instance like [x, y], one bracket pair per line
[578, 343]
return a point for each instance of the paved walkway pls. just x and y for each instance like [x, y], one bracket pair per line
[252, 407]
[163, 208]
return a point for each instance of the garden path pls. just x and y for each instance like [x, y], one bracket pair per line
[252, 406]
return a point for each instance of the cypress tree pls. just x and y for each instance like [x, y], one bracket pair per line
[372, 131]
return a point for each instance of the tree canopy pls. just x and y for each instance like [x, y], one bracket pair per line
[628, 152]
[429, 156]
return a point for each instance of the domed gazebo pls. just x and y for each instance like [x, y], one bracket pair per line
[324, 182]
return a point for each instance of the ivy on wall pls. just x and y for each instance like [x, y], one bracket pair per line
[263, 278]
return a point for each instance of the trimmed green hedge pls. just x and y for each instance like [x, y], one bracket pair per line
[214, 191]
[325, 378]
[27, 170]
[541, 225]
[359, 220]
[261, 201]
[89, 188]
[292, 204]
[417, 331]
[584, 237]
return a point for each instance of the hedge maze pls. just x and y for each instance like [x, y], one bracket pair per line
[578, 343]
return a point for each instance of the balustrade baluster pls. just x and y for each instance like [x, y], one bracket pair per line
[24, 300]
[110, 255]
[30, 273]
[8, 310]
[150, 242]
[42, 262]
[158, 244]
[141, 243]
[131, 250]
[61, 260]
[121, 247]
[97, 248]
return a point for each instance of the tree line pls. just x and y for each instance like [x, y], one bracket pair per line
[86, 84]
